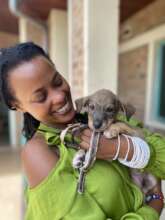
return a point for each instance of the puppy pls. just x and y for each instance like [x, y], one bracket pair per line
[103, 107]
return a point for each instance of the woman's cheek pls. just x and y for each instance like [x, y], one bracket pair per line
[38, 111]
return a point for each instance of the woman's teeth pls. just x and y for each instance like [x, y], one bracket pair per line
[64, 109]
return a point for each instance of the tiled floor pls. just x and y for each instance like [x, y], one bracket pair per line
[10, 184]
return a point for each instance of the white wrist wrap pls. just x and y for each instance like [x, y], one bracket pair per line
[141, 153]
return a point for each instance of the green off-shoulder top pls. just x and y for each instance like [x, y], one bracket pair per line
[109, 192]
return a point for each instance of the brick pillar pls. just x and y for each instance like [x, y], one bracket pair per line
[29, 31]
[76, 46]
[93, 28]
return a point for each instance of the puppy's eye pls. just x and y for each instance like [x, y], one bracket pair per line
[109, 109]
[91, 106]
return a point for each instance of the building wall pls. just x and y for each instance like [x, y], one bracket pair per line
[7, 39]
[58, 40]
[136, 59]
[77, 48]
[148, 18]
[94, 46]
[102, 45]
[29, 31]
[132, 78]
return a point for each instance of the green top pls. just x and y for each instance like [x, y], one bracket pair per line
[109, 192]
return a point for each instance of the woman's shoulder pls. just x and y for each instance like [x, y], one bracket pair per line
[37, 160]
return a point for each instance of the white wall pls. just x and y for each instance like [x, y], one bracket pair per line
[58, 40]
[101, 44]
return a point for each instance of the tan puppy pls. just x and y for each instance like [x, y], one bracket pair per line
[102, 108]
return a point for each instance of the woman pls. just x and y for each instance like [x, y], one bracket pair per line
[31, 84]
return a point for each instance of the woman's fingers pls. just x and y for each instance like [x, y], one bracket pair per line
[87, 132]
[84, 145]
[85, 138]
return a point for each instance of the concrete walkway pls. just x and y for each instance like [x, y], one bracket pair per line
[10, 184]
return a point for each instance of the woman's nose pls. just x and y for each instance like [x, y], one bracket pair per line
[57, 97]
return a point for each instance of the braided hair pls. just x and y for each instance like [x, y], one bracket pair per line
[9, 59]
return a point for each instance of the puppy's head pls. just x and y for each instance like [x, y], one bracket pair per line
[102, 108]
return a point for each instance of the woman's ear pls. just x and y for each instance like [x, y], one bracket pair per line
[82, 104]
[17, 107]
[127, 109]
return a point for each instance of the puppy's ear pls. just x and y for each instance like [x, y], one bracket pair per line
[127, 109]
[82, 104]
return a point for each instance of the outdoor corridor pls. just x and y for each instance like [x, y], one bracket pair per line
[10, 185]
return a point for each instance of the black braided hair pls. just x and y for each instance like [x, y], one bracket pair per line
[10, 58]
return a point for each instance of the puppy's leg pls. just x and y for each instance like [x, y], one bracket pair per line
[78, 159]
[115, 129]
[149, 182]
[145, 181]
[111, 132]
[122, 128]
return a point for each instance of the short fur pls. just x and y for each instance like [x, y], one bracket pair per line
[102, 108]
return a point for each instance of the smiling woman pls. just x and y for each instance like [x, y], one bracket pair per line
[31, 84]
[47, 96]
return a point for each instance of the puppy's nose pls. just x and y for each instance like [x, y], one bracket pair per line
[97, 124]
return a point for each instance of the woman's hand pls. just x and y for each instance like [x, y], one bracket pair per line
[156, 204]
[107, 147]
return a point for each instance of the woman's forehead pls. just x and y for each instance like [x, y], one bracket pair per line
[37, 67]
[30, 75]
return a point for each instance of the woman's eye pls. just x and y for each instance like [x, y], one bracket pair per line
[109, 109]
[91, 106]
[41, 98]
[57, 81]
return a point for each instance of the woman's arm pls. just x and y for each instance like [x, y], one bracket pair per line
[156, 204]
[37, 160]
[107, 149]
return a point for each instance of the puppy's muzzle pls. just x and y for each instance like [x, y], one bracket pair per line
[98, 120]
[97, 124]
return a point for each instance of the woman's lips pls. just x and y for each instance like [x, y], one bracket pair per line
[64, 109]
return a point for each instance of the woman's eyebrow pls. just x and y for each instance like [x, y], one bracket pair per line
[41, 88]
[38, 90]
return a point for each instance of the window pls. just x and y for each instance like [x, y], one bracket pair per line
[158, 98]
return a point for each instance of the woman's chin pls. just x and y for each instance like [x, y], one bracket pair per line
[68, 117]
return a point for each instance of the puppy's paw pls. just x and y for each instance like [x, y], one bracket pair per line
[78, 159]
[111, 133]
[107, 134]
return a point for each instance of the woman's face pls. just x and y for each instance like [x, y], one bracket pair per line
[42, 92]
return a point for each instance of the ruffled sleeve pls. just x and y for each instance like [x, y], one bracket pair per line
[156, 142]
[144, 213]
[156, 164]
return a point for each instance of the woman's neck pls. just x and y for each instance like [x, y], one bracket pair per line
[61, 125]
[81, 118]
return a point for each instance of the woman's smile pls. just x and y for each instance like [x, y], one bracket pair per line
[64, 109]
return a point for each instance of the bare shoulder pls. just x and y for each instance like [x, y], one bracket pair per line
[37, 160]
